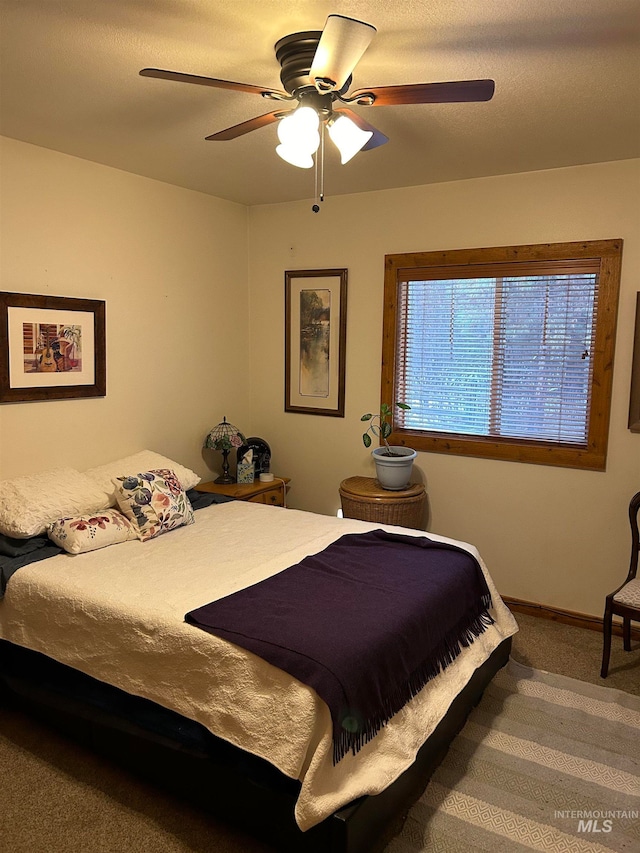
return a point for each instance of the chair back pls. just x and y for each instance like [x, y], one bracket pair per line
[634, 510]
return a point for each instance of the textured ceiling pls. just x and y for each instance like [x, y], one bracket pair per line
[567, 76]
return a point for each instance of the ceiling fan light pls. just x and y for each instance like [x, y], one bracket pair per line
[295, 156]
[300, 128]
[299, 137]
[348, 137]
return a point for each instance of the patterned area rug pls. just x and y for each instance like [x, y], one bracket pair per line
[544, 763]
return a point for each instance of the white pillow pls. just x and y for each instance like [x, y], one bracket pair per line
[79, 534]
[28, 504]
[146, 460]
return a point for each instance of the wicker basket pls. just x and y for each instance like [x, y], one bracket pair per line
[365, 499]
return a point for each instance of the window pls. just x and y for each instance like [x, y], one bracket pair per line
[505, 353]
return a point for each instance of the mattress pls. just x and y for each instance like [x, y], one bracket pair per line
[117, 614]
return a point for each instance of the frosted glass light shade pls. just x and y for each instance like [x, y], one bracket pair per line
[296, 157]
[299, 127]
[299, 137]
[348, 137]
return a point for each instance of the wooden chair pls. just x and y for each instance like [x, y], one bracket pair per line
[625, 600]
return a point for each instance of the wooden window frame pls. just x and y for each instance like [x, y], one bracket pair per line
[608, 253]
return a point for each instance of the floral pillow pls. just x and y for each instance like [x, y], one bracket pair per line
[78, 534]
[154, 502]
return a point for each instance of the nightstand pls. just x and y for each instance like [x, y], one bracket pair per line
[273, 493]
[365, 499]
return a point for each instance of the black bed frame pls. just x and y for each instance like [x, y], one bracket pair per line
[184, 757]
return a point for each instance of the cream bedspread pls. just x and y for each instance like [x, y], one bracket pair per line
[117, 614]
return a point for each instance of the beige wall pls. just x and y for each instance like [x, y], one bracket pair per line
[549, 535]
[195, 331]
[171, 265]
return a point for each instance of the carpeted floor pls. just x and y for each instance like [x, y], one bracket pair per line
[575, 652]
[56, 797]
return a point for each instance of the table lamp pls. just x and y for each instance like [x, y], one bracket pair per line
[224, 437]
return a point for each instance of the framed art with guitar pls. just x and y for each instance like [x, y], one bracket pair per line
[51, 348]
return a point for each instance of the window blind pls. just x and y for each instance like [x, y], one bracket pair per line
[498, 350]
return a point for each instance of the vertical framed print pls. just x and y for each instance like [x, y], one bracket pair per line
[51, 348]
[634, 402]
[315, 341]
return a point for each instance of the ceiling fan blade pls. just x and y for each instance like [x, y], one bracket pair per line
[341, 45]
[378, 137]
[425, 93]
[246, 126]
[179, 77]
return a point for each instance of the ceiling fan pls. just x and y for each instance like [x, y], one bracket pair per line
[316, 73]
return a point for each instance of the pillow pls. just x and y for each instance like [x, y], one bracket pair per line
[78, 534]
[154, 502]
[146, 460]
[28, 504]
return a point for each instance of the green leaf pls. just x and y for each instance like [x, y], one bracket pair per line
[403, 406]
[366, 417]
[366, 439]
[386, 430]
[384, 409]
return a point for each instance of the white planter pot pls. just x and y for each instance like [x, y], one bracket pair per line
[394, 472]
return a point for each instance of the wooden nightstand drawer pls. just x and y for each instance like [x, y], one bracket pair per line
[275, 496]
[273, 493]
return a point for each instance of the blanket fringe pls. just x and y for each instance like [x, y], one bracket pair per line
[351, 733]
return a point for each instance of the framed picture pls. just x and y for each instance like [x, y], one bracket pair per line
[51, 348]
[315, 341]
[634, 403]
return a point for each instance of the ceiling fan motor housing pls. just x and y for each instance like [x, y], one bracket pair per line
[295, 53]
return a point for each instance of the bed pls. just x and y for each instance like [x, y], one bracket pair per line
[97, 642]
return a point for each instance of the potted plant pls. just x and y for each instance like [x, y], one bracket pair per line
[393, 463]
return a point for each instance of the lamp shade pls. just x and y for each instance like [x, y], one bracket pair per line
[224, 436]
[348, 137]
[299, 137]
[289, 153]
[300, 128]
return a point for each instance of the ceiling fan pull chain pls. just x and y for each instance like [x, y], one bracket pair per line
[319, 187]
[315, 188]
[322, 163]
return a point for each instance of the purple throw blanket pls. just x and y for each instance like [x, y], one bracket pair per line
[366, 623]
